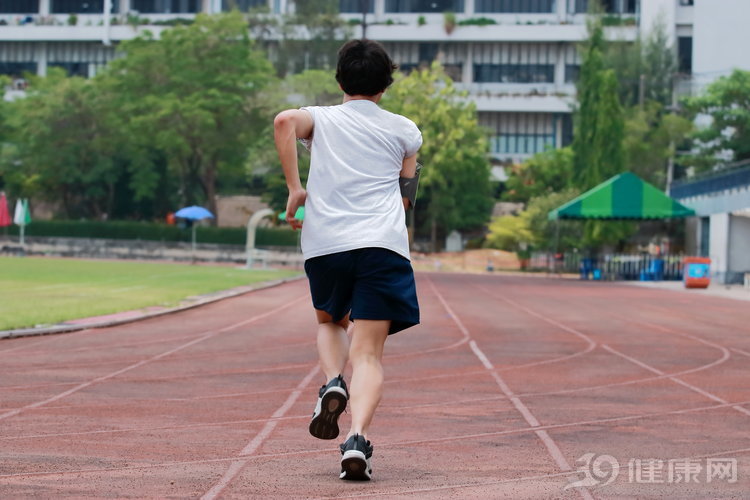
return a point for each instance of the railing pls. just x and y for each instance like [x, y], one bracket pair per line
[721, 180]
[610, 267]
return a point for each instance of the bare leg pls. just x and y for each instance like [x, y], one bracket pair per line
[333, 344]
[366, 387]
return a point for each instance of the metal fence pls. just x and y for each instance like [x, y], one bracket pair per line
[634, 267]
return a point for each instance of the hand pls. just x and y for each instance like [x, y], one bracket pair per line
[296, 199]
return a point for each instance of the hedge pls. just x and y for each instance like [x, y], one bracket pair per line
[129, 230]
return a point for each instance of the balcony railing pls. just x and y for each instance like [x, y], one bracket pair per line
[721, 180]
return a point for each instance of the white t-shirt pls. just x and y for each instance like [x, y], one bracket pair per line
[353, 196]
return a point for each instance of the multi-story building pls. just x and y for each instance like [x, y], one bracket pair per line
[517, 58]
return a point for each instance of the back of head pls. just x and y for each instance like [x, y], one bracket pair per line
[364, 68]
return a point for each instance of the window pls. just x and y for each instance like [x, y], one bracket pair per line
[242, 5]
[572, 71]
[355, 6]
[166, 6]
[521, 143]
[407, 6]
[73, 68]
[514, 73]
[427, 52]
[685, 54]
[515, 6]
[686, 3]
[17, 69]
[80, 6]
[19, 6]
[609, 6]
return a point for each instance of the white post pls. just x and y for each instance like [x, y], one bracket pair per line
[23, 230]
[124, 6]
[44, 7]
[41, 59]
[193, 245]
[252, 225]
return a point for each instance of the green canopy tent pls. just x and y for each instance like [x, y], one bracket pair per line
[624, 196]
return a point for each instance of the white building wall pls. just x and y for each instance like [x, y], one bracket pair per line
[718, 249]
[654, 12]
[721, 37]
[739, 243]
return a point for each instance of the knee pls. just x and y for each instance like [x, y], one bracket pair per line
[363, 354]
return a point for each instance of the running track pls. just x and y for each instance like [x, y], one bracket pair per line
[505, 385]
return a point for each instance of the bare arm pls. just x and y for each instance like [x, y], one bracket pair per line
[287, 127]
[408, 170]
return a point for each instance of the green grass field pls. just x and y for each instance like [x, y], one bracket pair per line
[42, 291]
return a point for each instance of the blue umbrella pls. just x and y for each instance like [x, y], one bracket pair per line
[194, 213]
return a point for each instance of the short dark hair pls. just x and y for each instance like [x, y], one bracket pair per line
[364, 68]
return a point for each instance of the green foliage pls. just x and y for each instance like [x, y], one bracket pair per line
[449, 22]
[650, 138]
[532, 230]
[648, 64]
[477, 21]
[327, 30]
[599, 126]
[455, 191]
[66, 145]
[544, 173]
[509, 232]
[727, 102]
[130, 230]
[192, 96]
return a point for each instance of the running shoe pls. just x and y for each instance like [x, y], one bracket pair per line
[331, 403]
[356, 454]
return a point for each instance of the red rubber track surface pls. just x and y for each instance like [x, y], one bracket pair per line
[507, 382]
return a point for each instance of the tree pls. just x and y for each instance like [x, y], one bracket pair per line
[599, 126]
[66, 145]
[455, 190]
[192, 96]
[310, 38]
[531, 229]
[544, 173]
[644, 68]
[727, 103]
[650, 139]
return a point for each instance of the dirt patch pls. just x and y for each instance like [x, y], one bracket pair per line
[470, 261]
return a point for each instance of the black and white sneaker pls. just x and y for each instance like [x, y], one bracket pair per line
[356, 456]
[331, 403]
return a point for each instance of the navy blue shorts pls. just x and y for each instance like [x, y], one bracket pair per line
[369, 283]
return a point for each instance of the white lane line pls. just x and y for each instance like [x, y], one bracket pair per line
[382, 445]
[237, 465]
[740, 351]
[676, 380]
[549, 443]
[208, 335]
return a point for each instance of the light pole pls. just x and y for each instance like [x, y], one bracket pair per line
[363, 8]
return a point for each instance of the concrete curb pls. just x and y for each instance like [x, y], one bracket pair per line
[202, 300]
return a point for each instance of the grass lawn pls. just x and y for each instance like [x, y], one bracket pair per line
[41, 291]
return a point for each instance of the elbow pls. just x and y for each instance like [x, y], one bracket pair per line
[283, 120]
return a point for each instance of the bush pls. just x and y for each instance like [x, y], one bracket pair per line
[477, 21]
[128, 230]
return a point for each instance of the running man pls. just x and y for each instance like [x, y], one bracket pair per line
[363, 176]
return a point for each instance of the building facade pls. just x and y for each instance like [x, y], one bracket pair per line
[518, 59]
